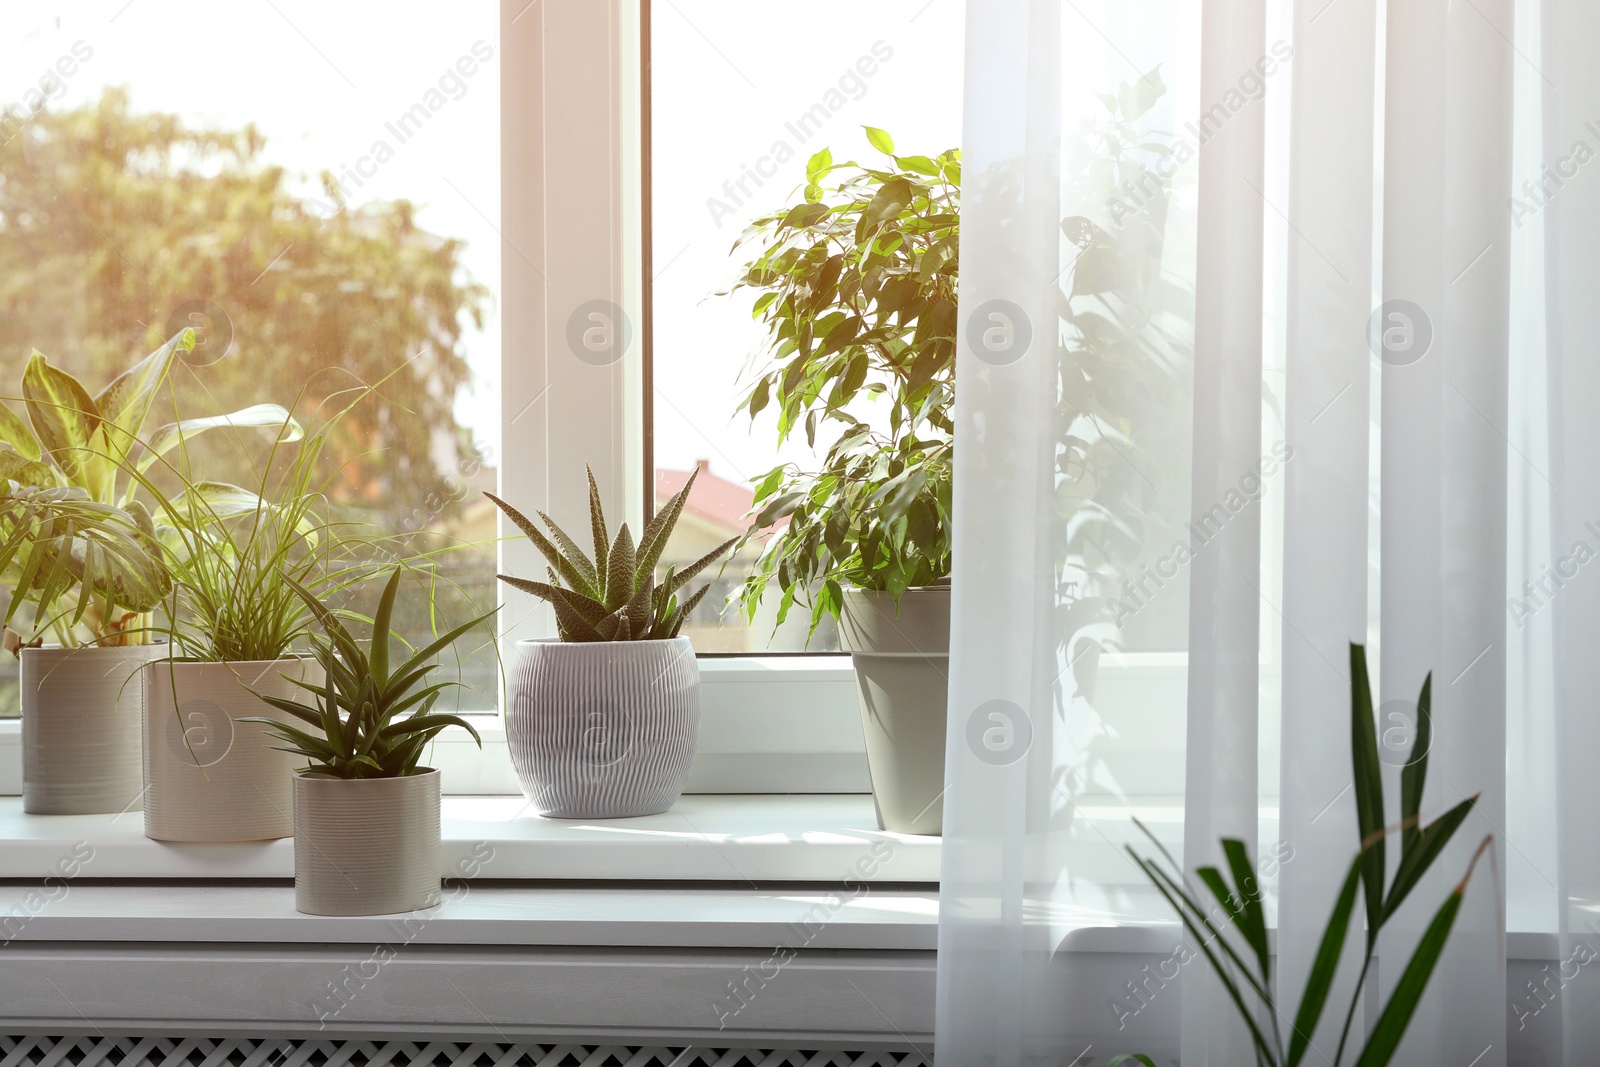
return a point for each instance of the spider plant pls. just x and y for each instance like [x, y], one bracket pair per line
[367, 719]
[1250, 984]
[235, 554]
[613, 596]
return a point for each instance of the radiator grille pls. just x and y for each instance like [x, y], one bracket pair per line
[100, 1051]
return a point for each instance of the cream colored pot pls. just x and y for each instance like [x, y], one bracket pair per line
[366, 846]
[207, 776]
[901, 656]
[80, 729]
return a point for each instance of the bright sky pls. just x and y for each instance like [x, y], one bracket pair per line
[320, 80]
[730, 78]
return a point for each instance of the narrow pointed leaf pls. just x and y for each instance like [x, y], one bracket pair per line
[1323, 968]
[1396, 1015]
[1415, 773]
[1368, 788]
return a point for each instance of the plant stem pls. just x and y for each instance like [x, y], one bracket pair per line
[1355, 999]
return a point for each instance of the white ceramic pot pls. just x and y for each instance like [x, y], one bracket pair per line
[604, 729]
[207, 776]
[901, 656]
[367, 846]
[80, 729]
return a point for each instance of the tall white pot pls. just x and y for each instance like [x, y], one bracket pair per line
[603, 729]
[209, 777]
[901, 655]
[80, 729]
[366, 846]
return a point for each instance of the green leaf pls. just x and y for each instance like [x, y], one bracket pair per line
[1368, 788]
[597, 527]
[63, 415]
[16, 433]
[126, 402]
[1431, 841]
[1134, 1057]
[1323, 968]
[1135, 100]
[1414, 776]
[1396, 1015]
[167, 437]
[818, 165]
[620, 570]
[17, 468]
[378, 648]
[1252, 919]
[880, 140]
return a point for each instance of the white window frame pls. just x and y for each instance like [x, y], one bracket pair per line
[572, 227]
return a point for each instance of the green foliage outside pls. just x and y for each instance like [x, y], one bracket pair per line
[112, 220]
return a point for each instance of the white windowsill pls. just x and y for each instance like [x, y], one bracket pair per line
[717, 838]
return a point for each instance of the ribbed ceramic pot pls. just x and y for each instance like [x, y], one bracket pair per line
[80, 729]
[367, 846]
[902, 662]
[604, 729]
[207, 776]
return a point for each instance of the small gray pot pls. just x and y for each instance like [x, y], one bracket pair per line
[902, 663]
[207, 776]
[367, 846]
[80, 729]
[603, 730]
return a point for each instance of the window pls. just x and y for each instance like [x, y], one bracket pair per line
[321, 201]
[741, 97]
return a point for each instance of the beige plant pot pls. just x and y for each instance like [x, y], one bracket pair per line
[368, 846]
[902, 663]
[207, 776]
[80, 729]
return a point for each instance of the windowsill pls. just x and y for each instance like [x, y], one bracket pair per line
[735, 839]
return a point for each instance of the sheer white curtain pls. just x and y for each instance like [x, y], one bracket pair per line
[1118, 324]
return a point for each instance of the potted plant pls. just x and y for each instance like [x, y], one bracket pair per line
[238, 627]
[80, 714]
[604, 721]
[858, 293]
[366, 815]
[70, 560]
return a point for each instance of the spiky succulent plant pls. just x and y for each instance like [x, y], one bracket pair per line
[370, 720]
[614, 596]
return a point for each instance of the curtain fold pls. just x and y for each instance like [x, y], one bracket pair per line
[1446, 267]
[1224, 595]
[1110, 573]
[1326, 482]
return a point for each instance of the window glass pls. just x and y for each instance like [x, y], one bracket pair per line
[319, 198]
[742, 96]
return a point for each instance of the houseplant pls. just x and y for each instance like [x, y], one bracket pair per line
[366, 815]
[95, 446]
[858, 293]
[68, 559]
[603, 722]
[1245, 971]
[237, 626]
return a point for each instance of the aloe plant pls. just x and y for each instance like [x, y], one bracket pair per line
[612, 596]
[1249, 983]
[370, 719]
[95, 446]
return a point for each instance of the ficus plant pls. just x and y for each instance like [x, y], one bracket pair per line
[612, 596]
[857, 292]
[96, 446]
[1242, 962]
[369, 717]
